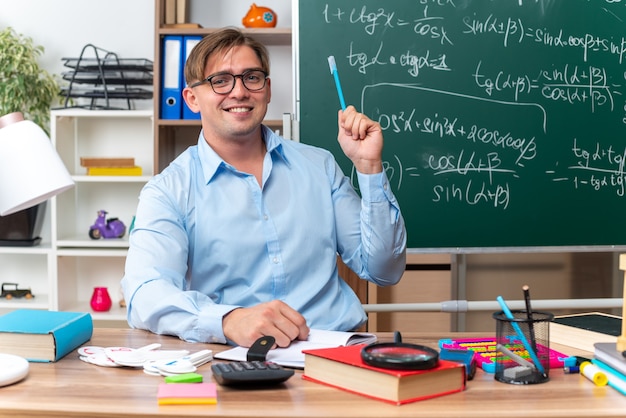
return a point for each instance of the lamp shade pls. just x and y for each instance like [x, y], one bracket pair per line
[31, 171]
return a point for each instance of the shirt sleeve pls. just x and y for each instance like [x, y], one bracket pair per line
[155, 284]
[372, 243]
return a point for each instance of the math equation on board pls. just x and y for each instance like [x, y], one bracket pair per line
[511, 107]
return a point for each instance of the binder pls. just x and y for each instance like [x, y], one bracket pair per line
[189, 41]
[171, 84]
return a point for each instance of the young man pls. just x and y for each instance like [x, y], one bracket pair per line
[238, 237]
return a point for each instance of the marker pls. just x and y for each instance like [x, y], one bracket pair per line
[593, 373]
[520, 334]
[615, 379]
[333, 71]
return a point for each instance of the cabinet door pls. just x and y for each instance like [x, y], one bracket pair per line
[427, 279]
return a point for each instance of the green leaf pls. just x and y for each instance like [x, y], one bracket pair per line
[24, 85]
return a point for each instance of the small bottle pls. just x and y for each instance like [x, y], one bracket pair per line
[100, 300]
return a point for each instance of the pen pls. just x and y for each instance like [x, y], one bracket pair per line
[529, 315]
[333, 71]
[520, 334]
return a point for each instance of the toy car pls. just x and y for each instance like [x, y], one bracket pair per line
[11, 290]
[105, 227]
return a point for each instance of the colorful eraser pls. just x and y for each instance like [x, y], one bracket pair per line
[184, 378]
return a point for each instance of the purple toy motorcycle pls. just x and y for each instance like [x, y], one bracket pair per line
[106, 228]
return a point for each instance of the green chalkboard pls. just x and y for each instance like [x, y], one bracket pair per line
[504, 121]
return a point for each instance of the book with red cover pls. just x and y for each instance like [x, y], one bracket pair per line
[343, 368]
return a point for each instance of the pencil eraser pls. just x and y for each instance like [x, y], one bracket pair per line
[184, 378]
[332, 64]
[517, 372]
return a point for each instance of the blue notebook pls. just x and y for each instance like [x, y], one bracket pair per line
[43, 336]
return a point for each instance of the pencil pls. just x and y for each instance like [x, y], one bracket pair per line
[333, 71]
[529, 315]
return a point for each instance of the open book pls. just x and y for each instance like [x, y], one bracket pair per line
[292, 356]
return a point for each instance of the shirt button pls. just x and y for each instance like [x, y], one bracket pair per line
[275, 260]
[265, 217]
[384, 186]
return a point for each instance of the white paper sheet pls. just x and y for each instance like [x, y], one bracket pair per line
[292, 356]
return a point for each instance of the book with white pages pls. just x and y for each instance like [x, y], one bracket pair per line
[292, 356]
[583, 330]
[608, 354]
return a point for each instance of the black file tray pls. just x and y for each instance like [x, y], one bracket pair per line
[104, 76]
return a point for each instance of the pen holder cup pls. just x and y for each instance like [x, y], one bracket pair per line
[515, 338]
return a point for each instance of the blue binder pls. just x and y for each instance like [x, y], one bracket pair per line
[171, 80]
[189, 41]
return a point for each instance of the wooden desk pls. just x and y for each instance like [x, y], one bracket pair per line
[72, 388]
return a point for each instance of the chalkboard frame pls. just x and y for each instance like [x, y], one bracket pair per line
[615, 242]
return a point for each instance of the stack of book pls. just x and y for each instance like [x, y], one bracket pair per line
[613, 363]
[597, 333]
[123, 166]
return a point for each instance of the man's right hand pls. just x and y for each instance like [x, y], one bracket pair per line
[277, 319]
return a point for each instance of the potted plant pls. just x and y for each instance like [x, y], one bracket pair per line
[24, 87]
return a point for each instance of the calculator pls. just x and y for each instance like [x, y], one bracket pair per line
[249, 373]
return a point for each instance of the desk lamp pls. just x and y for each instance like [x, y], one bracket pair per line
[31, 171]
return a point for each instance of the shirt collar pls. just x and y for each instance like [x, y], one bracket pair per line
[212, 163]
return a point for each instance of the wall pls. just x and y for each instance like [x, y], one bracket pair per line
[126, 27]
[63, 27]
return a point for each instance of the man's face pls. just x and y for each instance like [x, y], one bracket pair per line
[238, 114]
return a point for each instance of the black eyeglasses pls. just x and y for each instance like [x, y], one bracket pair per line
[224, 83]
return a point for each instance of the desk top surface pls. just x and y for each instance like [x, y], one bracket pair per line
[72, 388]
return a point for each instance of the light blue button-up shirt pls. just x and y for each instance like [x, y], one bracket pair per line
[208, 239]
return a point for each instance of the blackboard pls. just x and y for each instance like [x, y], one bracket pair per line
[504, 121]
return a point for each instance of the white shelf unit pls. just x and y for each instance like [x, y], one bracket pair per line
[28, 267]
[65, 268]
[79, 270]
